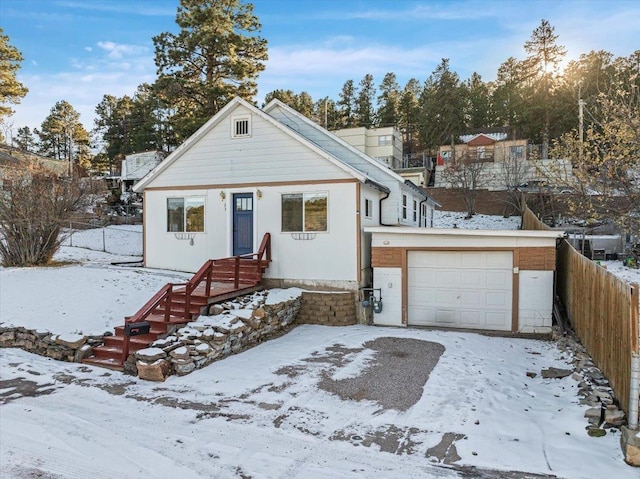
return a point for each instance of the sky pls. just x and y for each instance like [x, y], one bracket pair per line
[80, 50]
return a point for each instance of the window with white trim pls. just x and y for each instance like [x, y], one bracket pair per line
[304, 212]
[368, 208]
[240, 126]
[404, 207]
[385, 140]
[415, 211]
[423, 214]
[185, 214]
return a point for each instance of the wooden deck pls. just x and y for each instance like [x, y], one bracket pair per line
[176, 304]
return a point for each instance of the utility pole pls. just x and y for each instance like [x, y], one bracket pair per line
[580, 126]
[580, 119]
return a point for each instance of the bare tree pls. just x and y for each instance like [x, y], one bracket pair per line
[513, 173]
[33, 204]
[606, 164]
[466, 177]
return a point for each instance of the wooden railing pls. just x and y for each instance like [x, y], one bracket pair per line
[262, 259]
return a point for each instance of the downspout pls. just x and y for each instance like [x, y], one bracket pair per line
[634, 392]
[380, 209]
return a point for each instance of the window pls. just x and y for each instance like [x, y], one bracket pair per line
[415, 211]
[423, 214]
[185, 214]
[368, 208]
[516, 152]
[241, 127]
[404, 207]
[304, 212]
[385, 140]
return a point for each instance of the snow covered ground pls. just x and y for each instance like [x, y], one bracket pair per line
[262, 413]
[455, 219]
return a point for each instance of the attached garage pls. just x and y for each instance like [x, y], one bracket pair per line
[469, 279]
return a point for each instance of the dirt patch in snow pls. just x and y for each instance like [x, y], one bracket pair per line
[395, 376]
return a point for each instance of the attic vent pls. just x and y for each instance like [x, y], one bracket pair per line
[241, 127]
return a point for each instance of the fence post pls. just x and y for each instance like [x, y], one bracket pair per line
[104, 242]
[71, 234]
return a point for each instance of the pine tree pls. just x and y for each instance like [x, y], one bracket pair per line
[364, 106]
[63, 137]
[389, 101]
[543, 58]
[11, 90]
[346, 105]
[216, 55]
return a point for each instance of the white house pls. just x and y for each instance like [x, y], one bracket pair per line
[248, 172]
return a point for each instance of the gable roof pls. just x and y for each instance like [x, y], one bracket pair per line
[221, 116]
[381, 171]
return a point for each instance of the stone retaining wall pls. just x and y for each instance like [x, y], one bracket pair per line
[230, 329]
[335, 308]
[67, 347]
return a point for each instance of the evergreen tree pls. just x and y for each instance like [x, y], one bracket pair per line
[507, 99]
[365, 110]
[63, 137]
[442, 107]
[25, 140]
[541, 64]
[478, 111]
[327, 114]
[409, 116]
[389, 101]
[11, 90]
[216, 55]
[346, 105]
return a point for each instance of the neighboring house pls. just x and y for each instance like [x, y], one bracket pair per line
[501, 163]
[487, 147]
[137, 165]
[248, 172]
[382, 144]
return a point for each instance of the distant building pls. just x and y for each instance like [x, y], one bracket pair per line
[137, 165]
[381, 144]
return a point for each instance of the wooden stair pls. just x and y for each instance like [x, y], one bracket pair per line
[176, 304]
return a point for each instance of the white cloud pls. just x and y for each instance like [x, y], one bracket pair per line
[116, 51]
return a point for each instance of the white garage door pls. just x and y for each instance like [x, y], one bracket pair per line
[460, 289]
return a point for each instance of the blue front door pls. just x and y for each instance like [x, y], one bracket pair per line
[242, 223]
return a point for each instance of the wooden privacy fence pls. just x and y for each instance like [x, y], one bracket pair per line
[603, 310]
[531, 222]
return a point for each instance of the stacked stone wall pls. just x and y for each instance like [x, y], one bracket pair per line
[230, 329]
[68, 347]
[336, 308]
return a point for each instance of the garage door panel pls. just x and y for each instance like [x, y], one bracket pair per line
[471, 278]
[471, 319]
[497, 319]
[446, 316]
[499, 279]
[497, 299]
[467, 289]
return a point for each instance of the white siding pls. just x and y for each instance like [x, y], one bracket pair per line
[389, 280]
[329, 257]
[268, 155]
[536, 301]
